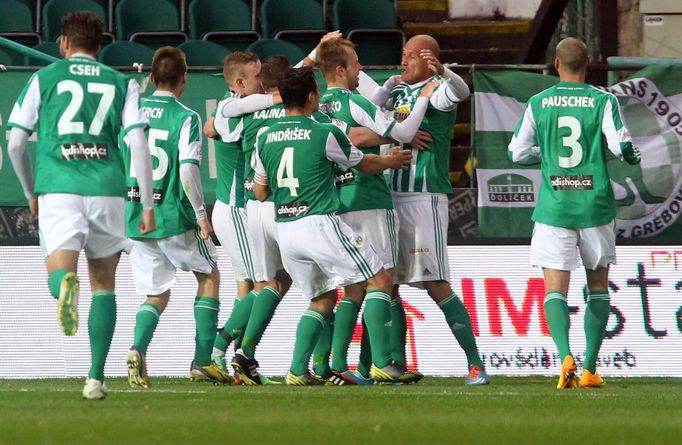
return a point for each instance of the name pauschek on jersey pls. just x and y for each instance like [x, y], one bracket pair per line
[572, 182]
[295, 134]
[292, 210]
[87, 150]
[134, 195]
[568, 101]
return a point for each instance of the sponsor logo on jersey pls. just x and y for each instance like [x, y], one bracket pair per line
[88, 150]
[421, 250]
[344, 178]
[572, 182]
[248, 185]
[292, 210]
[133, 195]
[510, 188]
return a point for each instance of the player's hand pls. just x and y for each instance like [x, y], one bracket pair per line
[205, 228]
[429, 88]
[33, 206]
[397, 79]
[421, 140]
[432, 61]
[209, 130]
[329, 36]
[148, 223]
[276, 97]
[399, 159]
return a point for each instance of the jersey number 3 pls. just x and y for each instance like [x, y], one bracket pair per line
[67, 124]
[571, 141]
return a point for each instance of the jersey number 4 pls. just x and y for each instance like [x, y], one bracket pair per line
[571, 141]
[67, 124]
[285, 172]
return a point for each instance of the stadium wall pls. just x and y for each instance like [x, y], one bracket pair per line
[502, 292]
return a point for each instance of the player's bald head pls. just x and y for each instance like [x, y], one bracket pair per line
[572, 54]
[423, 41]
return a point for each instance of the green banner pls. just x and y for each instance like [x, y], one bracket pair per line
[648, 196]
[202, 94]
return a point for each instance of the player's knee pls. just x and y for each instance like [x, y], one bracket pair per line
[382, 280]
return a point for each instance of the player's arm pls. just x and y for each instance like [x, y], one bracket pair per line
[22, 122]
[454, 88]
[189, 148]
[379, 95]
[617, 136]
[209, 128]
[134, 122]
[364, 137]
[239, 106]
[310, 59]
[261, 185]
[340, 150]
[523, 148]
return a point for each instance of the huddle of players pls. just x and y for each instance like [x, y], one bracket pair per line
[328, 220]
[84, 111]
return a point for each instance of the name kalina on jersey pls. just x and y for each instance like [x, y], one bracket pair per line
[273, 113]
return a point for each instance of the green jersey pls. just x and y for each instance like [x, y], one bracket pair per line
[78, 107]
[174, 137]
[429, 169]
[229, 156]
[359, 191]
[297, 157]
[567, 128]
[253, 125]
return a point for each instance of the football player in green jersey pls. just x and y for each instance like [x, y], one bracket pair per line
[567, 128]
[296, 161]
[420, 192]
[242, 72]
[79, 106]
[182, 237]
[365, 202]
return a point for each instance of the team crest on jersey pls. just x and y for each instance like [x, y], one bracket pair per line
[401, 112]
[359, 240]
[648, 195]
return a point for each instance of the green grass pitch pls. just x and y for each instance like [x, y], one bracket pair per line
[434, 411]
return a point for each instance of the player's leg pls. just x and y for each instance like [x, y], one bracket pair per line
[229, 223]
[310, 327]
[345, 319]
[101, 321]
[154, 275]
[63, 232]
[398, 328]
[105, 242]
[554, 249]
[323, 349]
[598, 250]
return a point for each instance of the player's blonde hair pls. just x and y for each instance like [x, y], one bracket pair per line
[572, 54]
[235, 62]
[168, 67]
[332, 54]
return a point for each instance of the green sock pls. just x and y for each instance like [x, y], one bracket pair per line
[596, 319]
[101, 324]
[344, 325]
[460, 324]
[307, 333]
[234, 327]
[556, 313]
[323, 348]
[206, 320]
[54, 281]
[377, 307]
[145, 323]
[261, 313]
[398, 331]
[365, 362]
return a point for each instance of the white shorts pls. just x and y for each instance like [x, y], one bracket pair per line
[379, 228]
[74, 222]
[422, 238]
[321, 253]
[555, 247]
[154, 261]
[267, 259]
[229, 224]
